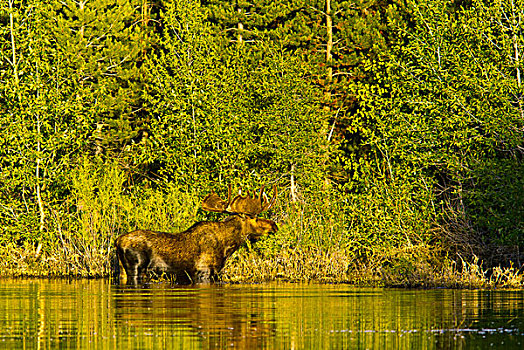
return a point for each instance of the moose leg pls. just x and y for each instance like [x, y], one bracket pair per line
[134, 263]
[206, 270]
[203, 276]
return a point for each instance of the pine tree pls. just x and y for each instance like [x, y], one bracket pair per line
[70, 85]
[101, 46]
[227, 113]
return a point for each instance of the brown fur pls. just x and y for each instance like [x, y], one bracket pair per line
[195, 255]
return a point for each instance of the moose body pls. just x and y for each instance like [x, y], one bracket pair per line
[199, 253]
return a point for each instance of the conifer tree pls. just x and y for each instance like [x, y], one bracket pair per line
[69, 72]
[101, 46]
[222, 112]
[337, 40]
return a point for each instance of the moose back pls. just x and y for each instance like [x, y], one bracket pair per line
[199, 253]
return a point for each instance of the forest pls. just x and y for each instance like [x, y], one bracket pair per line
[392, 129]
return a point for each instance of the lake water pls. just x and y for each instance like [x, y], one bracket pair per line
[93, 314]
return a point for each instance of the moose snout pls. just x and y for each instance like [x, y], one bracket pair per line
[267, 226]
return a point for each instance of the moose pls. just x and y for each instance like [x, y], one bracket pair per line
[198, 254]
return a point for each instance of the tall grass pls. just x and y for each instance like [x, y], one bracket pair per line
[387, 236]
[80, 237]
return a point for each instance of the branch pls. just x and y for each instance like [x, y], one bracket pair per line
[13, 46]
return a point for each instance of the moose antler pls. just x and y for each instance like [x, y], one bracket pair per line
[213, 202]
[239, 204]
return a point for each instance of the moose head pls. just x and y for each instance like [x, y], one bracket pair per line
[245, 207]
[199, 253]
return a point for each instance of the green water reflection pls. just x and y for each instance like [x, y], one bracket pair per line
[58, 314]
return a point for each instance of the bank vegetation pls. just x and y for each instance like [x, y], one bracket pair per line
[393, 131]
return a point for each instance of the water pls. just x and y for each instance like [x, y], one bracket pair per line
[58, 314]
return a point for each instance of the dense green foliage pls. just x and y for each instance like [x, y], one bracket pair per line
[405, 134]
[450, 111]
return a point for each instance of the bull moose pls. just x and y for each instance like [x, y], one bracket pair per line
[199, 253]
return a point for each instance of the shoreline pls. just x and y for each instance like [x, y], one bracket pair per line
[312, 266]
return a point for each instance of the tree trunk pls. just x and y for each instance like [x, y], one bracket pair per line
[329, 49]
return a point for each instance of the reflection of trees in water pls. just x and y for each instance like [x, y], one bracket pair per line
[218, 316]
[78, 314]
